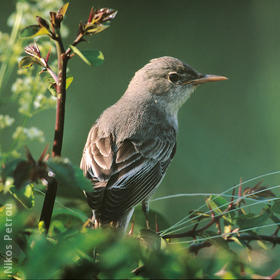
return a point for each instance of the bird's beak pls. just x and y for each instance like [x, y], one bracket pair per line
[205, 79]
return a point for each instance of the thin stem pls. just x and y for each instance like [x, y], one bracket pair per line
[193, 232]
[61, 99]
[48, 205]
[52, 74]
[49, 200]
[62, 58]
[78, 39]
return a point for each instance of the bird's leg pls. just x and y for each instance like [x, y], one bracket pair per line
[95, 222]
[145, 208]
[91, 222]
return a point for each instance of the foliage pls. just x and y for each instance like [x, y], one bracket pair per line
[72, 249]
[29, 90]
[224, 241]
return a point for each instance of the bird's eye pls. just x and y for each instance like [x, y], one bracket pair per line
[173, 77]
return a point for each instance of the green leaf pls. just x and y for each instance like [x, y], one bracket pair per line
[95, 57]
[32, 31]
[22, 173]
[24, 195]
[276, 207]
[10, 167]
[217, 203]
[252, 220]
[150, 239]
[90, 57]
[96, 28]
[70, 212]
[68, 175]
[27, 62]
[69, 81]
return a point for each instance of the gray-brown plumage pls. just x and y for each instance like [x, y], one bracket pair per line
[132, 143]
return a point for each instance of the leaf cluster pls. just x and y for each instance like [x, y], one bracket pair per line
[73, 249]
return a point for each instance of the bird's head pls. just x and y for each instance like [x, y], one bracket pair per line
[168, 82]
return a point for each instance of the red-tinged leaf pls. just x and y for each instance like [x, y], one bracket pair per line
[62, 11]
[103, 15]
[99, 20]
[258, 192]
[29, 156]
[111, 14]
[53, 18]
[33, 50]
[44, 155]
[48, 56]
[43, 23]
[91, 13]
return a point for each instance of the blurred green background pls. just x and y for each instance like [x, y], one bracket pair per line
[227, 130]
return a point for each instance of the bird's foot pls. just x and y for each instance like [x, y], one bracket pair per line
[147, 222]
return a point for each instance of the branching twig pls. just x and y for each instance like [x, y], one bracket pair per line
[95, 24]
[194, 232]
[194, 248]
[62, 59]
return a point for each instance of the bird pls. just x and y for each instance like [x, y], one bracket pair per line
[131, 144]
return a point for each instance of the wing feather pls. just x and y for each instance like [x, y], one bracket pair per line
[124, 173]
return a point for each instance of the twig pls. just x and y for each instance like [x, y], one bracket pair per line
[268, 238]
[194, 248]
[138, 270]
[61, 99]
[193, 232]
[275, 274]
[49, 200]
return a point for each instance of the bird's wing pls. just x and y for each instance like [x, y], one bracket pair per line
[125, 173]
